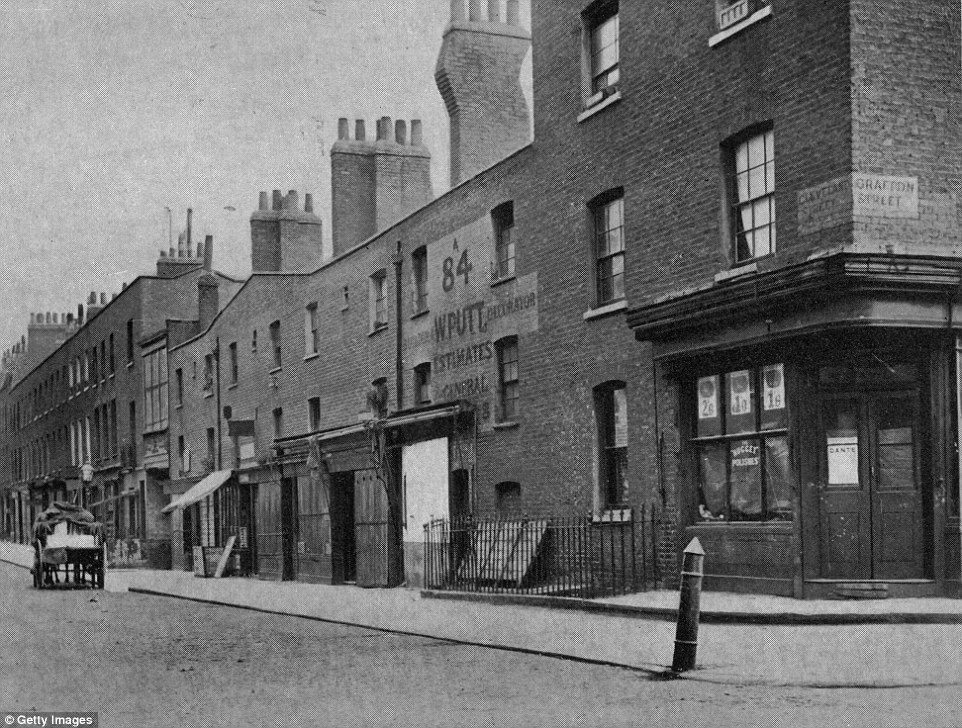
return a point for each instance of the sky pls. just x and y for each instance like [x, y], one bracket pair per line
[115, 110]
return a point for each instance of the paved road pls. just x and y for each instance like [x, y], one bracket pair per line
[154, 661]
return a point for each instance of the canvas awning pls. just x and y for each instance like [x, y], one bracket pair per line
[199, 490]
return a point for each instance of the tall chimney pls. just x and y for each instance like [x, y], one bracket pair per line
[208, 252]
[208, 300]
[487, 111]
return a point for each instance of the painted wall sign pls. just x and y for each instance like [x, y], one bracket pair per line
[860, 195]
[467, 316]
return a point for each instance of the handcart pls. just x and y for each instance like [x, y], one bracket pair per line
[69, 548]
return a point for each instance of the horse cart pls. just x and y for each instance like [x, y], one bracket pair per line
[69, 551]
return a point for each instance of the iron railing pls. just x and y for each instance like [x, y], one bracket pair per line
[574, 556]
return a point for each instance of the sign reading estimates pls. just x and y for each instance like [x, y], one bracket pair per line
[466, 317]
[860, 195]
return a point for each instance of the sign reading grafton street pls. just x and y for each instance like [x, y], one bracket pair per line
[857, 195]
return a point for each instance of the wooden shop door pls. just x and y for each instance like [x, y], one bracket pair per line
[371, 519]
[870, 497]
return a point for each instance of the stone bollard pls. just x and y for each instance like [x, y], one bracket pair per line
[686, 634]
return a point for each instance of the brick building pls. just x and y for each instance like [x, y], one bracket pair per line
[790, 400]
[85, 416]
[717, 288]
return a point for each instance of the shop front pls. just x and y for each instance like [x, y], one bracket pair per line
[816, 427]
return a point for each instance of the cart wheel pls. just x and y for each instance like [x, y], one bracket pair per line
[100, 577]
[37, 581]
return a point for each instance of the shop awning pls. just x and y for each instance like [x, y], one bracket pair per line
[199, 490]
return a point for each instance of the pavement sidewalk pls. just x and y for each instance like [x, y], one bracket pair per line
[876, 655]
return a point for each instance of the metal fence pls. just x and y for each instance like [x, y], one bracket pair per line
[575, 556]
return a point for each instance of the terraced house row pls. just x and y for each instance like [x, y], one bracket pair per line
[715, 294]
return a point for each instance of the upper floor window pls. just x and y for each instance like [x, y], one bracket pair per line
[731, 13]
[275, 332]
[607, 219]
[378, 301]
[508, 378]
[155, 390]
[611, 413]
[312, 336]
[314, 413]
[503, 264]
[601, 51]
[208, 373]
[130, 341]
[751, 192]
[110, 354]
[232, 362]
[422, 384]
[419, 270]
[278, 423]
[179, 384]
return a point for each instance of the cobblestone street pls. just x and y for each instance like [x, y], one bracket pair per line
[152, 661]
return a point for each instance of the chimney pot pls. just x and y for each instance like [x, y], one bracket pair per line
[343, 132]
[457, 11]
[31, 318]
[190, 220]
[416, 138]
[308, 202]
[103, 298]
[401, 132]
[494, 11]
[163, 253]
[360, 130]
[262, 201]
[49, 321]
[474, 11]
[92, 298]
[291, 201]
[54, 316]
[384, 130]
[277, 200]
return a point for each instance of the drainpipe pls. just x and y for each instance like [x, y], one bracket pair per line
[398, 310]
[217, 400]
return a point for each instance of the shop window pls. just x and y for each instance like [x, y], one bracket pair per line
[611, 412]
[601, 72]
[608, 242]
[751, 194]
[419, 270]
[422, 384]
[508, 498]
[741, 446]
[508, 377]
[503, 219]
[155, 390]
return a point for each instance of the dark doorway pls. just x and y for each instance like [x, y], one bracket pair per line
[344, 542]
[276, 533]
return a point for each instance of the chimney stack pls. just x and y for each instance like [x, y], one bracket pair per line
[488, 113]
[208, 300]
[285, 237]
[375, 184]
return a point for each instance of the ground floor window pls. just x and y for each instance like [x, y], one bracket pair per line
[741, 446]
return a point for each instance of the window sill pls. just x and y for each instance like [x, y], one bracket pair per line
[506, 425]
[208, 394]
[419, 314]
[605, 310]
[495, 282]
[377, 330]
[232, 385]
[179, 406]
[130, 364]
[739, 27]
[308, 357]
[742, 270]
[599, 106]
[766, 525]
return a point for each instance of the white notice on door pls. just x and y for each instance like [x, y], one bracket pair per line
[842, 460]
